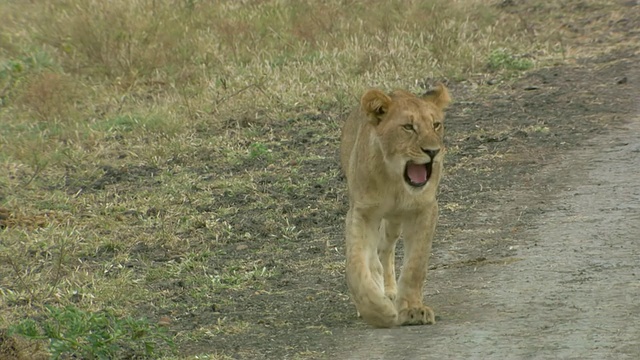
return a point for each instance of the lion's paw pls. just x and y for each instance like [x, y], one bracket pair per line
[419, 315]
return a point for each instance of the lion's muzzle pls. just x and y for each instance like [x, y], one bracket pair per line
[417, 175]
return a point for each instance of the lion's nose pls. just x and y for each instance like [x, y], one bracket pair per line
[431, 152]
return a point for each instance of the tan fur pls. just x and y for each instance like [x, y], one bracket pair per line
[377, 142]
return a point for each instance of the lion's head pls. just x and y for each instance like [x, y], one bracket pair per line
[409, 131]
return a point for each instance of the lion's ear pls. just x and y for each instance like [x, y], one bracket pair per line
[375, 103]
[438, 96]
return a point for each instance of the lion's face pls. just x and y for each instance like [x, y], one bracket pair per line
[409, 132]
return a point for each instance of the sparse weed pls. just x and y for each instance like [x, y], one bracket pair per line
[503, 59]
[541, 128]
[237, 278]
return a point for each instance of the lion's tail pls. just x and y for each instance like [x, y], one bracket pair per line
[371, 302]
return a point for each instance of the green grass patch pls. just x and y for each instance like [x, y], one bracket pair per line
[72, 332]
[502, 59]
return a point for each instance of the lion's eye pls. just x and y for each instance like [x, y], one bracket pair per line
[408, 127]
[437, 125]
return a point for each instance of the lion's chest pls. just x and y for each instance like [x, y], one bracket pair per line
[401, 203]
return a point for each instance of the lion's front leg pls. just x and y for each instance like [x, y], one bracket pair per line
[364, 271]
[389, 234]
[418, 234]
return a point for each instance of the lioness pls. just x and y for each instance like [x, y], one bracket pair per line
[391, 153]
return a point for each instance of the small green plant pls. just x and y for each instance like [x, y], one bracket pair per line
[72, 332]
[258, 151]
[503, 59]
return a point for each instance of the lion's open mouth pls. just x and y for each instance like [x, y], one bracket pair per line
[417, 175]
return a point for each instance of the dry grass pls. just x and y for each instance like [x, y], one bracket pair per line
[139, 138]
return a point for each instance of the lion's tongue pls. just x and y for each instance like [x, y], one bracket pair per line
[417, 173]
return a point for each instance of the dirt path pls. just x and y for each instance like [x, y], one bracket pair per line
[571, 294]
[570, 290]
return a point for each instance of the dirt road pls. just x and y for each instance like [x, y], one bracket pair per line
[570, 289]
[572, 293]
